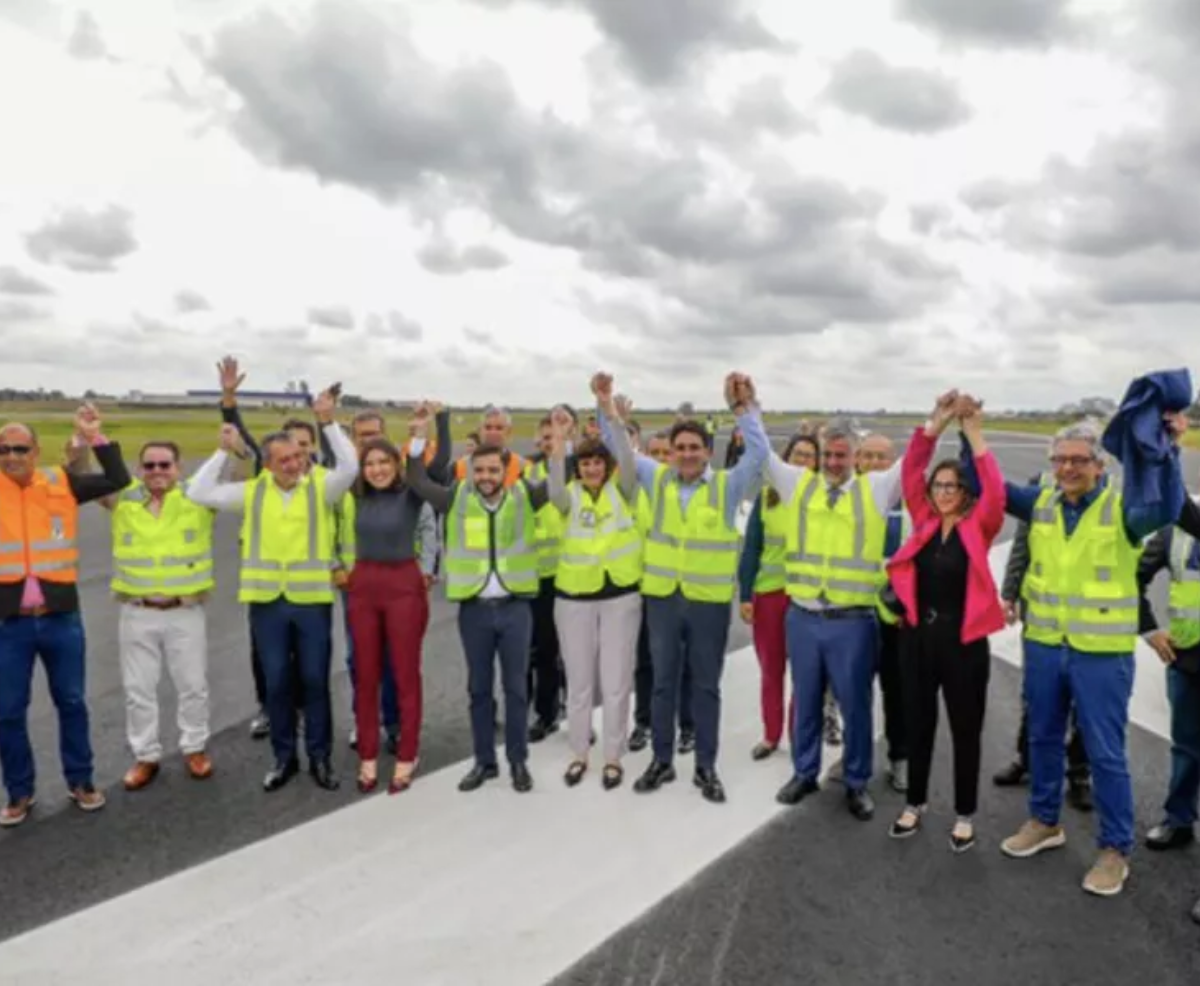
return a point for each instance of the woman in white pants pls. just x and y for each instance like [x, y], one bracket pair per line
[598, 605]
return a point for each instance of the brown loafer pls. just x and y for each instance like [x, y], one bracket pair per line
[199, 765]
[15, 812]
[140, 774]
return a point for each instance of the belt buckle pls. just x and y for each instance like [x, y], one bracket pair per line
[931, 616]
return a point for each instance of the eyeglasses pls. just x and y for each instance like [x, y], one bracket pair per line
[1074, 461]
[15, 449]
[162, 464]
[945, 487]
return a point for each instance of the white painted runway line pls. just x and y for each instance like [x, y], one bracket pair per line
[439, 888]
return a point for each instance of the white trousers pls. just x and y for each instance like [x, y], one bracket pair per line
[148, 638]
[598, 641]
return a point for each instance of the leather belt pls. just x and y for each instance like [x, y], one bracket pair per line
[842, 612]
[162, 604]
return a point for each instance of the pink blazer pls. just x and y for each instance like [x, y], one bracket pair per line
[977, 530]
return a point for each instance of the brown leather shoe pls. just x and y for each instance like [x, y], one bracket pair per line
[139, 775]
[199, 765]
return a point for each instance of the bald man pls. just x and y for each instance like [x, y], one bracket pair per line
[876, 453]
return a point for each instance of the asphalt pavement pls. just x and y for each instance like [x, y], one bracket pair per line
[812, 896]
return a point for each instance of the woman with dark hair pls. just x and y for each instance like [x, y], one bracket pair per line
[598, 605]
[763, 593]
[943, 581]
[388, 607]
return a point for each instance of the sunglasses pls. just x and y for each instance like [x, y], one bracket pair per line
[15, 449]
[153, 464]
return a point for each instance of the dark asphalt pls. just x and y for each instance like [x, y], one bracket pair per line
[781, 906]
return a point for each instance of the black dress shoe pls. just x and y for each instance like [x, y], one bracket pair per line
[1164, 837]
[796, 790]
[1079, 795]
[687, 741]
[861, 805]
[639, 739]
[477, 776]
[656, 775]
[541, 729]
[280, 774]
[1012, 775]
[763, 750]
[321, 771]
[522, 780]
[710, 785]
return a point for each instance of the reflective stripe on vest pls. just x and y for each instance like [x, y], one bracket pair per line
[287, 549]
[166, 555]
[771, 574]
[834, 553]
[471, 530]
[1081, 590]
[694, 552]
[38, 529]
[1184, 600]
[601, 538]
[547, 539]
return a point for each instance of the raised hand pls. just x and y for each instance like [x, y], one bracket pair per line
[87, 422]
[560, 423]
[1177, 424]
[624, 407]
[323, 406]
[943, 411]
[229, 440]
[602, 387]
[418, 424]
[227, 373]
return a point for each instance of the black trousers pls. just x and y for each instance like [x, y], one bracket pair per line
[893, 694]
[545, 680]
[934, 659]
[643, 685]
[260, 678]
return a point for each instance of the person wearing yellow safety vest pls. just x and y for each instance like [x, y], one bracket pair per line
[1081, 624]
[658, 448]
[287, 556]
[836, 527]
[162, 545]
[1178, 645]
[689, 572]
[491, 571]
[764, 599]
[877, 453]
[598, 608]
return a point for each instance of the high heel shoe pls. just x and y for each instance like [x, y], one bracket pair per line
[403, 777]
[368, 779]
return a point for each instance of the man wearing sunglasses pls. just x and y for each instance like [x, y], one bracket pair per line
[39, 605]
[162, 575]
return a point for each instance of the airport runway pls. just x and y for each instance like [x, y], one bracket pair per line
[808, 895]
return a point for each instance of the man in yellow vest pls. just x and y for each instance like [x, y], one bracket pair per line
[1081, 623]
[491, 571]
[286, 578]
[836, 529]
[162, 575]
[691, 557]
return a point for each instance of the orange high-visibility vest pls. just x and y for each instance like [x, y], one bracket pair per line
[38, 529]
[426, 456]
[512, 470]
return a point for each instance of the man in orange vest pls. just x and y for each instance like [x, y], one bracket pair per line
[495, 430]
[39, 604]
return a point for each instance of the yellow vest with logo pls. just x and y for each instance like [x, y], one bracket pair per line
[885, 614]
[1081, 590]
[834, 553]
[1184, 601]
[601, 538]
[771, 575]
[287, 550]
[696, 552]
[472, 534]
[170, 555]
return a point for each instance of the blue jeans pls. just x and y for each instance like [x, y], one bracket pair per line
[273, 624]
[842, 652]
[1100, 685]
[59, 641]
[388, 709]
[691, 636]
[504, 629]
[1183, 691]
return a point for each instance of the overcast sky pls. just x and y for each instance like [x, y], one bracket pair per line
[859, 203]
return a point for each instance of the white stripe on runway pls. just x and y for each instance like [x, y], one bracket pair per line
[436, 887]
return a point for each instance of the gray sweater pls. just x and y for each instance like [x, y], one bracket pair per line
[387, 524]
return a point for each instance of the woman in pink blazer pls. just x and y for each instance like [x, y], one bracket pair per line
[942, 578]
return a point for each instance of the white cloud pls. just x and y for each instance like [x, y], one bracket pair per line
[488, 199]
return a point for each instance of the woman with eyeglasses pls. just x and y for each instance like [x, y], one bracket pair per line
[763, 594]
[943, 581]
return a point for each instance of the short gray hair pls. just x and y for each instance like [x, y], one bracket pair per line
[492, 411]
[1089, 432]
[840, 429]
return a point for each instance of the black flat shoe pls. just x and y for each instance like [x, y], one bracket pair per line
[796, 790]
[1164, 837]
[541, 729]
[763, 750]
[280, 774]
[639, 739]
[574, 773]
[321, 771]
[656, 775]
[1010, 776]
[612, 776]
[861, 805]
[522, 780]
[477, 776]
[961, 843]
[687, 741]
[901, 831]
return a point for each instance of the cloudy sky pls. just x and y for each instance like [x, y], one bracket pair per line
[490, 199]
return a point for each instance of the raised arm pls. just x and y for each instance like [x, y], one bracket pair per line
[645, 468]
[439, 465]
[618, 409]
[205, 486]
[751, 557]
[417, 475]
[745, 476]
[556, 463]
[1145, 515]
[113, 476]
[341, 476]
[231, 379]
[991, 480]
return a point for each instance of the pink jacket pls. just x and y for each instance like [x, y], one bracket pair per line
[978, 529]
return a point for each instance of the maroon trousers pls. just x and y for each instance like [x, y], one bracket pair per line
[388, 606]
[770, 643]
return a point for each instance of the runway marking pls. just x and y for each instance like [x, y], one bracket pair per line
[437, 887]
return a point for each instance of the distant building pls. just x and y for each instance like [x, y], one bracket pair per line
[210, 398]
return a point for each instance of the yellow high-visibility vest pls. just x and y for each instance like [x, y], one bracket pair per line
[169, 555]
[474, 534]
[287, 550]
[601, 538]
[771, 575]
[1184, 600]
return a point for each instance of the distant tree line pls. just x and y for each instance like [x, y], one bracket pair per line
[41, 394]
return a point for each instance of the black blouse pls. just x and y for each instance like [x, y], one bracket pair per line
[942, 576]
